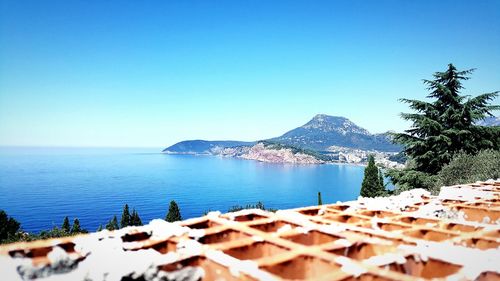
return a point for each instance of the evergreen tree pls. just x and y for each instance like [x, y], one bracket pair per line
[138, 220]
[135, 219]
[8, 226]
[76, 227]
[109, 226]
[371, 186]
[259, 205]
[320, 202]
[65, 226]
[100, 228]
[174, 214]
[112, 224]
[381, 179]
[125, 220]
[447, 125]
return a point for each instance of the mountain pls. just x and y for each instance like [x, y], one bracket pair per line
[324, 131]
[490, 121]
[202, 146]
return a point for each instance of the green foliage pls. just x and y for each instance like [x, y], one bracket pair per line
[10, 230]
[99, 228]
[274, 145]
[259, 205]
[55, 232]
[400, 157]
[125, 220]
[65, 226]
[52, 233]
[76, 227]
[444, 127]
[8, 227]
[44, 234]
[236, 208]
[135, 219]
[174, 214]
[408, 179]
[112, 224]
[320, 202]
[465, 168]
[373, 184]
[381, 179]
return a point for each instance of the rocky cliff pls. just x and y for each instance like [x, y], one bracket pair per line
[271, 153]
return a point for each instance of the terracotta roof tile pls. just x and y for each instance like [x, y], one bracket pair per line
[412, 236]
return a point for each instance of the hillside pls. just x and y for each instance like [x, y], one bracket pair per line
[324, 131]
[265, 151]
[202, 146]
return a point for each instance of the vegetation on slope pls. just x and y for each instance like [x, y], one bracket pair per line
[295, 150]
[443, 129]
[466, 168]
[202, 146]
[259, 205]
[11, 230]
[324, 131]
[400, 158]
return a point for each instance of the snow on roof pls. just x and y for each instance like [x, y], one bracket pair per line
[411, 236]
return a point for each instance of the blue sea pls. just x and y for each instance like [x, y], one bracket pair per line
[40, 186]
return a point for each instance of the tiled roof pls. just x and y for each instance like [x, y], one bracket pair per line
[412, 236]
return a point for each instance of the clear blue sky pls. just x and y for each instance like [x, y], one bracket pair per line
[151, 73]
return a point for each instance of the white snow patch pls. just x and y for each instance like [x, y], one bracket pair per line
[333, 228]
[343, 242]
[474, 261]
[196, 233]
[385, 259]
[236, 266]
[463, 193]
[214, 214]
[284, 228]
[245, 212]
[322, 211]
[9, 265]
[188, 247]
[391, 203]
[161, 230]
[350, 267]
[257, 238]
[296, 218]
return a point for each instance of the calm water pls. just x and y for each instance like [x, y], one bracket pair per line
[39, 186]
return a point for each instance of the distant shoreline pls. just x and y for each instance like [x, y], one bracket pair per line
[282, 163]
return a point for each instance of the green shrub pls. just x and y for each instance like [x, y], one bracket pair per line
[400, 158]
[259, 205]
[409, 179]
[463, 168]
[466, 168]
[8, 227]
